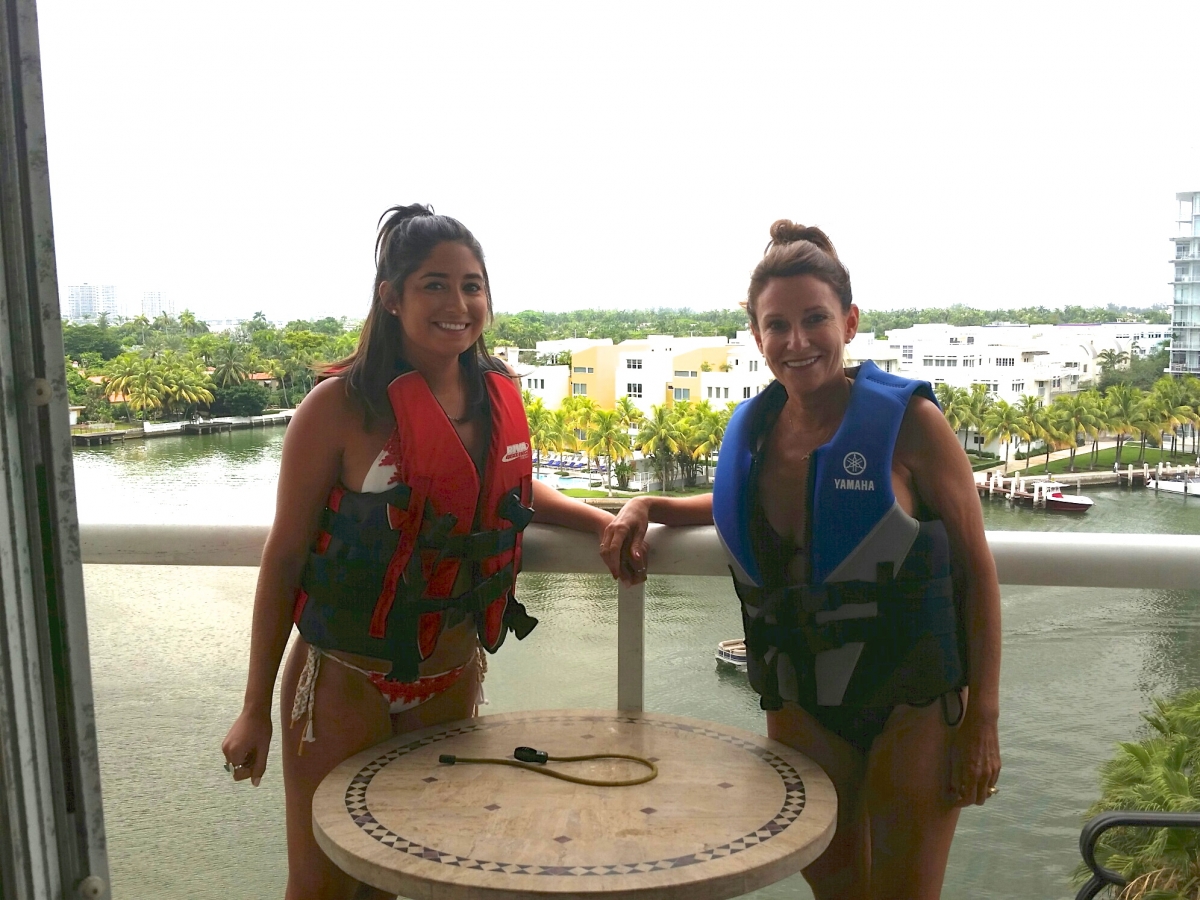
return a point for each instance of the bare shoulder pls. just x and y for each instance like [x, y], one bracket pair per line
[929, 449]
[326, 415]
[925, 436]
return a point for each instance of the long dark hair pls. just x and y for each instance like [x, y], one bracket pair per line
[407, 236]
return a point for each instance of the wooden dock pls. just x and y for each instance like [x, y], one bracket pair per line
[211, 426]
[97, 438]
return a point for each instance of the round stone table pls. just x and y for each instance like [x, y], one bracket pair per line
[729, 812]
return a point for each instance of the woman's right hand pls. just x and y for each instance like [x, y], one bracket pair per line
[247, 744]
[623, 544]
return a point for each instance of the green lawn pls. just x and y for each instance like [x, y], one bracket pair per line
[1106, 457]
[583, 493]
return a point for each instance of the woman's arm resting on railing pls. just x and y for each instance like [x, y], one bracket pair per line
[552, 508]
[623, 545]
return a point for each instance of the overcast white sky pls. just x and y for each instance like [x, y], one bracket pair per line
[236, 155]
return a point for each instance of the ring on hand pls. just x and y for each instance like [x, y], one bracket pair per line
[993, 791]
[231, 768]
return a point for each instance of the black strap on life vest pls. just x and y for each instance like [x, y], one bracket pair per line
[354, 568]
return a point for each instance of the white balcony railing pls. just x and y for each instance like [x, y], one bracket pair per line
[1161, 561]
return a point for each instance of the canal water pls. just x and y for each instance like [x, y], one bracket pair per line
[169, 650]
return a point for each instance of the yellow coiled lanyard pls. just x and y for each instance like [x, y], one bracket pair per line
[534, 760]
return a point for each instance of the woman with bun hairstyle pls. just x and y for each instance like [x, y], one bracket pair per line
[404, 486]
[869, 598]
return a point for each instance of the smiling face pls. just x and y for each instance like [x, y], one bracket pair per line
[802, 332]
[443, 308]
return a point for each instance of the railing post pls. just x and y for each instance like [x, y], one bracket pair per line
[631, 647]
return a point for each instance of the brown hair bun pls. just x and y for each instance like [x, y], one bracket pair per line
[785, 231]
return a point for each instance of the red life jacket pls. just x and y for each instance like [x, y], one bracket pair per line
[378, 580]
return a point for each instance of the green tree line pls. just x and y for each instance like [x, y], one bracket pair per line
[174, 367]
[883, 321]
[525, 329]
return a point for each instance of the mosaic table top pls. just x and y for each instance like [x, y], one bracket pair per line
[729, 812]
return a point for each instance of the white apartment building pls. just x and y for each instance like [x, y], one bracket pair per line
[154, 305]
[744, 374]
[864, 347]
[550, 384]
[1015, 360]
[86, 302]
[1185, 284]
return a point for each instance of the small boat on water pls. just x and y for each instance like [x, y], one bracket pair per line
[1057, 501]
[1175, 485]
[732, 653]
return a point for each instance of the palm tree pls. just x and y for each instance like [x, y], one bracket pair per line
[1122, 401]
[186, 385]
[1004, 421]
[607, 438]
[141, 323]
[1146, 421]
[541, 429]
[1155, 773]
[1074, 413]
[140, 380]
[231, 365]
[582, 410]
[1112, 359]
[628, 413]
[561, 435]
[956, 407]
[1170, 397]
[1027, 410]
[1051, 431]
[978, 403]
[188, 322]
[659, 440]
[1099, 408]
[708, 433]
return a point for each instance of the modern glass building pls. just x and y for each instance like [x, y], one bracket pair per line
[1185, 318]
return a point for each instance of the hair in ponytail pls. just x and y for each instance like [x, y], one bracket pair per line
[407, 236]
[798, 250]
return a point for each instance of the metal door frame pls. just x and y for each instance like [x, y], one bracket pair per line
[52, 842]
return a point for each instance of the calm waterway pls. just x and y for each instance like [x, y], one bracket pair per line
[169, 651]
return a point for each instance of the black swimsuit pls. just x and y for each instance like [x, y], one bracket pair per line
[857, 725]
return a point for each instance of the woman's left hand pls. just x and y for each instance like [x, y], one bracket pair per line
[974, 760]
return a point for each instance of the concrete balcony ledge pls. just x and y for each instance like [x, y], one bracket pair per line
[1161, 561]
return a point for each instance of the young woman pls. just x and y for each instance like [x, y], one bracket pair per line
[404, 486]
[869, 596]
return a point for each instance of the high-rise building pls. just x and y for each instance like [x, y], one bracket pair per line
[85, 302]
[153, 305]
[1185, 318]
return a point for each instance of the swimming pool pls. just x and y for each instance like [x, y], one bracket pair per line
[564, 481]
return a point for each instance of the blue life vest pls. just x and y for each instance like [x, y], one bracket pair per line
[875, 624]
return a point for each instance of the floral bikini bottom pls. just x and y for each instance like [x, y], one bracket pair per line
[401, 695]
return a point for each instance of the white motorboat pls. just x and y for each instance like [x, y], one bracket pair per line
[732, 652]
[1175, 485]
[1048, 495]
[1057, 501]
